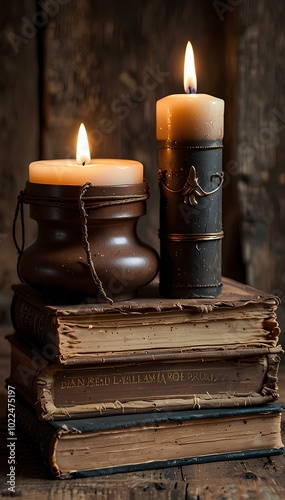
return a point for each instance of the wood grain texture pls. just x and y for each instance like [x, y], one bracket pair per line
[19, 122]
[261, 144]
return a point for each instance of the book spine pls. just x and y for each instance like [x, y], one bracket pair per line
[36, 326]
[57, 393]
[26, 371]
[42, 437]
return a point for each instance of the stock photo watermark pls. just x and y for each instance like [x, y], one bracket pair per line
[31, 26]
[266, 138]
[121, 107]
[126, 102]
[11, 439]
[223, 8]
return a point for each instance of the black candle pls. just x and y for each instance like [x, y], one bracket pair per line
[189, 134]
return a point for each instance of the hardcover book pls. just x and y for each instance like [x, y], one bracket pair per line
[185, 380]
[241, 316]
[106, 445]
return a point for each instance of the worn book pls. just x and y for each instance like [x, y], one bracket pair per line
[187, 380]
[106, 445]
[240, 316]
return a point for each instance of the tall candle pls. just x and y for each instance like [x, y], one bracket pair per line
[100, 172]
[189, 130]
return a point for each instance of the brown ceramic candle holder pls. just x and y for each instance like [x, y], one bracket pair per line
[87, 242]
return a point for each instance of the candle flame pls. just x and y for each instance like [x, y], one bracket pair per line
[82, 150]
[190, 79]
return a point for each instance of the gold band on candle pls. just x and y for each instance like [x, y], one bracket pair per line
[168, 144]
[192, 237]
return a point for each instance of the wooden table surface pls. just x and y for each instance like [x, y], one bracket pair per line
[262, 479]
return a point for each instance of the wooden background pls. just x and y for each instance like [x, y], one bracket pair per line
[67, 61]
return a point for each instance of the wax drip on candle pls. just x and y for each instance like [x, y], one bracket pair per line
[82, 151]
[190, 79]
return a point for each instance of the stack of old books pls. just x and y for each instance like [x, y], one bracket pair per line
[146, 383]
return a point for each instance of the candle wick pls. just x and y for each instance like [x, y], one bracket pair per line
[191, 90]
[83, 163]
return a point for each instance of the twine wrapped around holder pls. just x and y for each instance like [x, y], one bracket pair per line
[87, 243]
[190, 179]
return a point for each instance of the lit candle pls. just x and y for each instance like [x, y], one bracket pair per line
[190, 116]
[100, 172]
[189, 130]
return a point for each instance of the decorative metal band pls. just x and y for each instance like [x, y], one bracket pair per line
[192, 237]
[190, 145]
[211, 285]
[192, 188]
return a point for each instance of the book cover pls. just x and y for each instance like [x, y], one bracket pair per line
[106, 445]
[66, 334]
[187, 380]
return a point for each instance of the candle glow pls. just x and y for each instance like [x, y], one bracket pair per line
[82, 148]
[190, 116]
[190, 79]
[97, 171]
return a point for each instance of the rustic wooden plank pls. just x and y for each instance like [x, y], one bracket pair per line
[261, 149]
[19, 123]
[232, 253]
[245, 474]
[233, 491]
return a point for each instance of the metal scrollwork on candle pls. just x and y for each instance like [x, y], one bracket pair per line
[192, 187]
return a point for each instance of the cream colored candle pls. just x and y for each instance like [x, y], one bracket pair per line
[100, 172]
[190, 116]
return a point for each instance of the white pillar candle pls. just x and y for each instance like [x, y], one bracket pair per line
[190, 116]
[100, 172]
